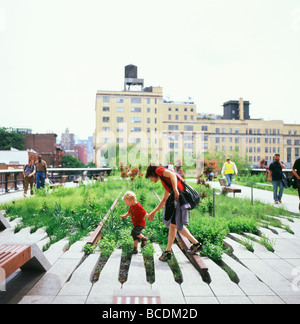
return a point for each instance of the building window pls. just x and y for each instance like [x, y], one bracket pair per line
[136, 120]
[120, 100]
[120, 119]
[134, 140]
[136, 129]
[105, 99]
[188, 128]
[120, 109]
[289, 155]
[173, 127]
[136, 109]
[105, 129]
[204, 128]
[136, 100]
[148, 120]
[188, 146]
[105, 119]
[105, 109]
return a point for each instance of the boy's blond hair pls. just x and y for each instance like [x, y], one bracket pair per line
[129, 195]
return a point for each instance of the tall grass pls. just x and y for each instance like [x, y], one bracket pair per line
[66, 212]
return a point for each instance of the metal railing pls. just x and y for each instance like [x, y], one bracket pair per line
[11, 179]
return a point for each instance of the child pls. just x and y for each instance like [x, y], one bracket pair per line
[138, 215]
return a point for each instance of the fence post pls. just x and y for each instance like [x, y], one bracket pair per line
[252, 193]
[214, 202]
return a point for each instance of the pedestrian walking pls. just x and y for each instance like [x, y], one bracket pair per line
[275, 176]
[41, 172]
[296, 172]
[176, 208]
[28, 173]
[229, 169]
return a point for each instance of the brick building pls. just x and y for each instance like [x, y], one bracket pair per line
[44, 144]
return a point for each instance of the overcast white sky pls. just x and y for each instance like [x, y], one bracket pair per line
[55, 55]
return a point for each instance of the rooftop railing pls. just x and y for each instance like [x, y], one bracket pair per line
[12, 178]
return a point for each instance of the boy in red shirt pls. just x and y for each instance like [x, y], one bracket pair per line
[138, 215]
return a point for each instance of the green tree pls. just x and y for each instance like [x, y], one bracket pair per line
[11, 139]
[69, 161]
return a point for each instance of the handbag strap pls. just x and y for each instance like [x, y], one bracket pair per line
[170, 187]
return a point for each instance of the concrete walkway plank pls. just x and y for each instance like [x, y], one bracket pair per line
[170, 291]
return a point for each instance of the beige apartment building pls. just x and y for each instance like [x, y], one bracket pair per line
[161, 129]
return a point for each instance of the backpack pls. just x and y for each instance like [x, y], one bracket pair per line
[190, 194]
[287, 182]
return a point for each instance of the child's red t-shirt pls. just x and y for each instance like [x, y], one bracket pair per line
[160, 171]
[137, 213]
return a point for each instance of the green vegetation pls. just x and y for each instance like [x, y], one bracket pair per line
[75, 212]
[66, 212]
[10, 140]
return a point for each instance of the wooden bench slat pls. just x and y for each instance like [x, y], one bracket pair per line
[13, 257]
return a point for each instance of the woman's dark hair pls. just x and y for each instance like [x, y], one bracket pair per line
[151, 171]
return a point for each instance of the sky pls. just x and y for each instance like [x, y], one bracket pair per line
[56, 54]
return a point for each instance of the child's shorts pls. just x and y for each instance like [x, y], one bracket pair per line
[137, 230]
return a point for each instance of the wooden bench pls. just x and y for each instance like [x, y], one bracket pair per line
[62, 182]
[226, 190]
[24, 256]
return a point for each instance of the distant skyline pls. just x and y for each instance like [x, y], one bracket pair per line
[56, 54]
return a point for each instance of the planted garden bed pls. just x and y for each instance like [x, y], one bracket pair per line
[75, 212]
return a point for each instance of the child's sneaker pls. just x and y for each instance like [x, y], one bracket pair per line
[194, 247]
[166, 256]
[134, 250]
[144, 242]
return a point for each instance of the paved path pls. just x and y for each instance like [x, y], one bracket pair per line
[259, 277]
